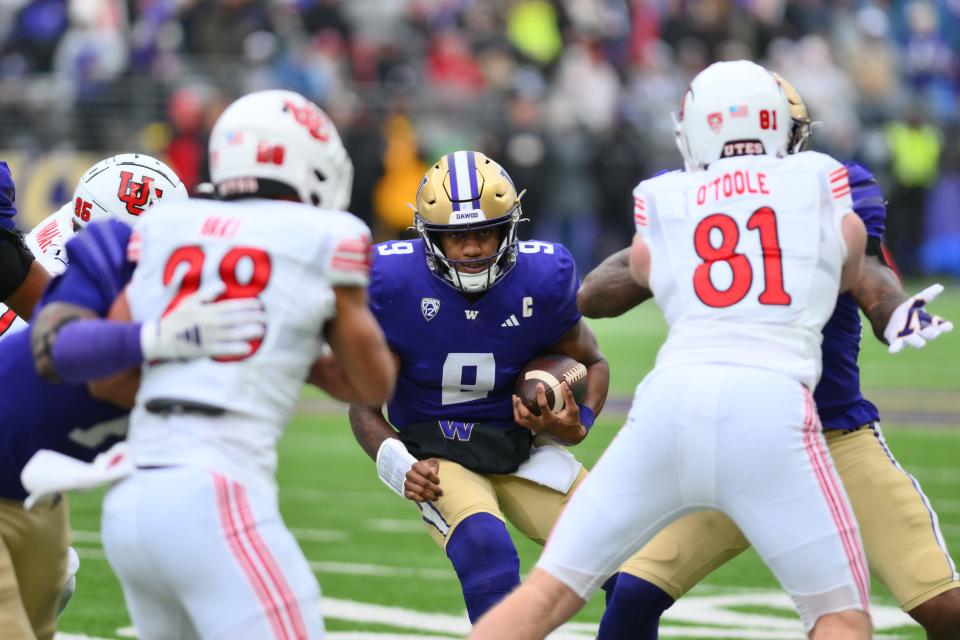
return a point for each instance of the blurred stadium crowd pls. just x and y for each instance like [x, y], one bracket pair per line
[573, 97]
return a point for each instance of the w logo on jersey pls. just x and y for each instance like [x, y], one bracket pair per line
[429, 307]
[136, 194]
[455, 430]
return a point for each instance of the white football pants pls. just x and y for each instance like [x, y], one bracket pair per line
[745, 441]
[202, 556]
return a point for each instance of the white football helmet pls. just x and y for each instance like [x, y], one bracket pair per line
[122, 187]
[279, 143]
[732, 109]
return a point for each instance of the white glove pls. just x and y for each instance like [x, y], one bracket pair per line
[911, 324]
[197, 329]
[393, 462]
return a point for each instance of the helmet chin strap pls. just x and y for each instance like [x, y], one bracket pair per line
[473, 282]
[681, 139]
[446, 269]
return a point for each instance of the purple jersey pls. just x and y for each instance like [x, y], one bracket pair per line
[839, 400]
[63, 417]
[8, 197]
[459, 359]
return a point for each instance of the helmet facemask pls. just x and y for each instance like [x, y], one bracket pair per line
[801, 124]
[498, 264]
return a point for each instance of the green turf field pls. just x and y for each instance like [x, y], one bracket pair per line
[382, 576]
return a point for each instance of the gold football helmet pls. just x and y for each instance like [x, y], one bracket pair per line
[467, 191]
[802, 126]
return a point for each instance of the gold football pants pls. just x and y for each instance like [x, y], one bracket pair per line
[33, 567]
[900, 532]
[530, 507]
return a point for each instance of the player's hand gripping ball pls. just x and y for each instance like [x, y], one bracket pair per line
[550, 371]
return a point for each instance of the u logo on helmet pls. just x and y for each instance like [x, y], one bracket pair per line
[310, 118]
[135, 194]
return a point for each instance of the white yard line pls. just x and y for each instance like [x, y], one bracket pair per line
[320, 535]
[395, 616]
[394, 525]
[85, 536]
[382, 571]
[90, 553]
[933, 474]
[305, 534]
[946, 506]
[320, 496]
[347, 568]
[708, 617]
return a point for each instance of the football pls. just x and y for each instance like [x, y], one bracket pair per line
[550, 371]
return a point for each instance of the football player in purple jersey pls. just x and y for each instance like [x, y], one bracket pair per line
[22, 279]
[899, 527]
[464, 307]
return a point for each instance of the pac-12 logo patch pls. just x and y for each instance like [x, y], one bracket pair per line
[429, 307]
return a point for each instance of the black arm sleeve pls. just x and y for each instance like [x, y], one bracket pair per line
[875, 248]
[15, 261]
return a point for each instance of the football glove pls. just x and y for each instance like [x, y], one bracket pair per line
[197, 329]
[393, 463]
[910, 324]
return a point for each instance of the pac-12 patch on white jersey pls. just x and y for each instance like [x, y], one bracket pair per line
[746, 259]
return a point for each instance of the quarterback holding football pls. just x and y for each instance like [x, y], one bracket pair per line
[464, 308]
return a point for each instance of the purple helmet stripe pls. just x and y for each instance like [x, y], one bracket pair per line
[474, 191]
[454, 189]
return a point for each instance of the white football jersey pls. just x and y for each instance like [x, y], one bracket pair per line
[47, 243]
[289, 255]
[746, 259]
